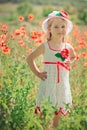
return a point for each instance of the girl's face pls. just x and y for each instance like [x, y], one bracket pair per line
[58, 27]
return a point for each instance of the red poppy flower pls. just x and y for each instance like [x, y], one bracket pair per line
[4, 27]
[22, 28]
[2, 43]
[30, 16]
[17, 32]
[21, 42]
[6, 50]
[77, 57]
[29, 50]
[20, 18]
[84, 54]
[65, 53]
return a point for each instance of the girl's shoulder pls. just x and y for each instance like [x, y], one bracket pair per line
[46, 46]
[42, 47]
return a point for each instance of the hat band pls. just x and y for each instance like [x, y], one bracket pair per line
[62, 13]
[58, 14]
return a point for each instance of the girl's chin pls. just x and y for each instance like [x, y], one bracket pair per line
[60, 35]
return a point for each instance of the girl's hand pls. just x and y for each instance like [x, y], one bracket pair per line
[42, 75]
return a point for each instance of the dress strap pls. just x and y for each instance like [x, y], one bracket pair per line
[46, 47]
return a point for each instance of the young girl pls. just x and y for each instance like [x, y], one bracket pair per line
[58, 55]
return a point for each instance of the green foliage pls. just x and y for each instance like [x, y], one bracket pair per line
[24, 9]
[47, 10]
[78, 16]
[83, 15]
[13, 95]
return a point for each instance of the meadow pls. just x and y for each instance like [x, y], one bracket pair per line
[20, 34]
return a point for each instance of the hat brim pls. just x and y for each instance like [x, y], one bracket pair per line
[45, 22]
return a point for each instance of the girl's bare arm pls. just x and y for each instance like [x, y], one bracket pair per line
[31, 62]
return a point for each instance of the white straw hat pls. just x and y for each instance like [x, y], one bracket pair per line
[61, 14]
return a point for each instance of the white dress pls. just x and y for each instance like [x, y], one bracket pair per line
[58, 92]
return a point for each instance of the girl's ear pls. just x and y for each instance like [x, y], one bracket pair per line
[48, 35]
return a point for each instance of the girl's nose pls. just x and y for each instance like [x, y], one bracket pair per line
[60, 29]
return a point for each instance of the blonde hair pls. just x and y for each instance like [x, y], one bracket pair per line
[48, 34]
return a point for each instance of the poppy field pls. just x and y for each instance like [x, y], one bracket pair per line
[19, 86]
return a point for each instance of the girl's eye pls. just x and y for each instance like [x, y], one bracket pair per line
[56, 27]
[63, 26]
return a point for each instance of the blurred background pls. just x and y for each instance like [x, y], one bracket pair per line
[10, 9]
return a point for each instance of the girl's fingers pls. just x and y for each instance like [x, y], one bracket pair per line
[44, 72]
[44, 75]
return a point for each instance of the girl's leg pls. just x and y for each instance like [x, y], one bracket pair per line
[54, 122]
[57, 116]
[56, 119]
[49, 127]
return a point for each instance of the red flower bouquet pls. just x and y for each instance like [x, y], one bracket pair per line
[63, 54]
